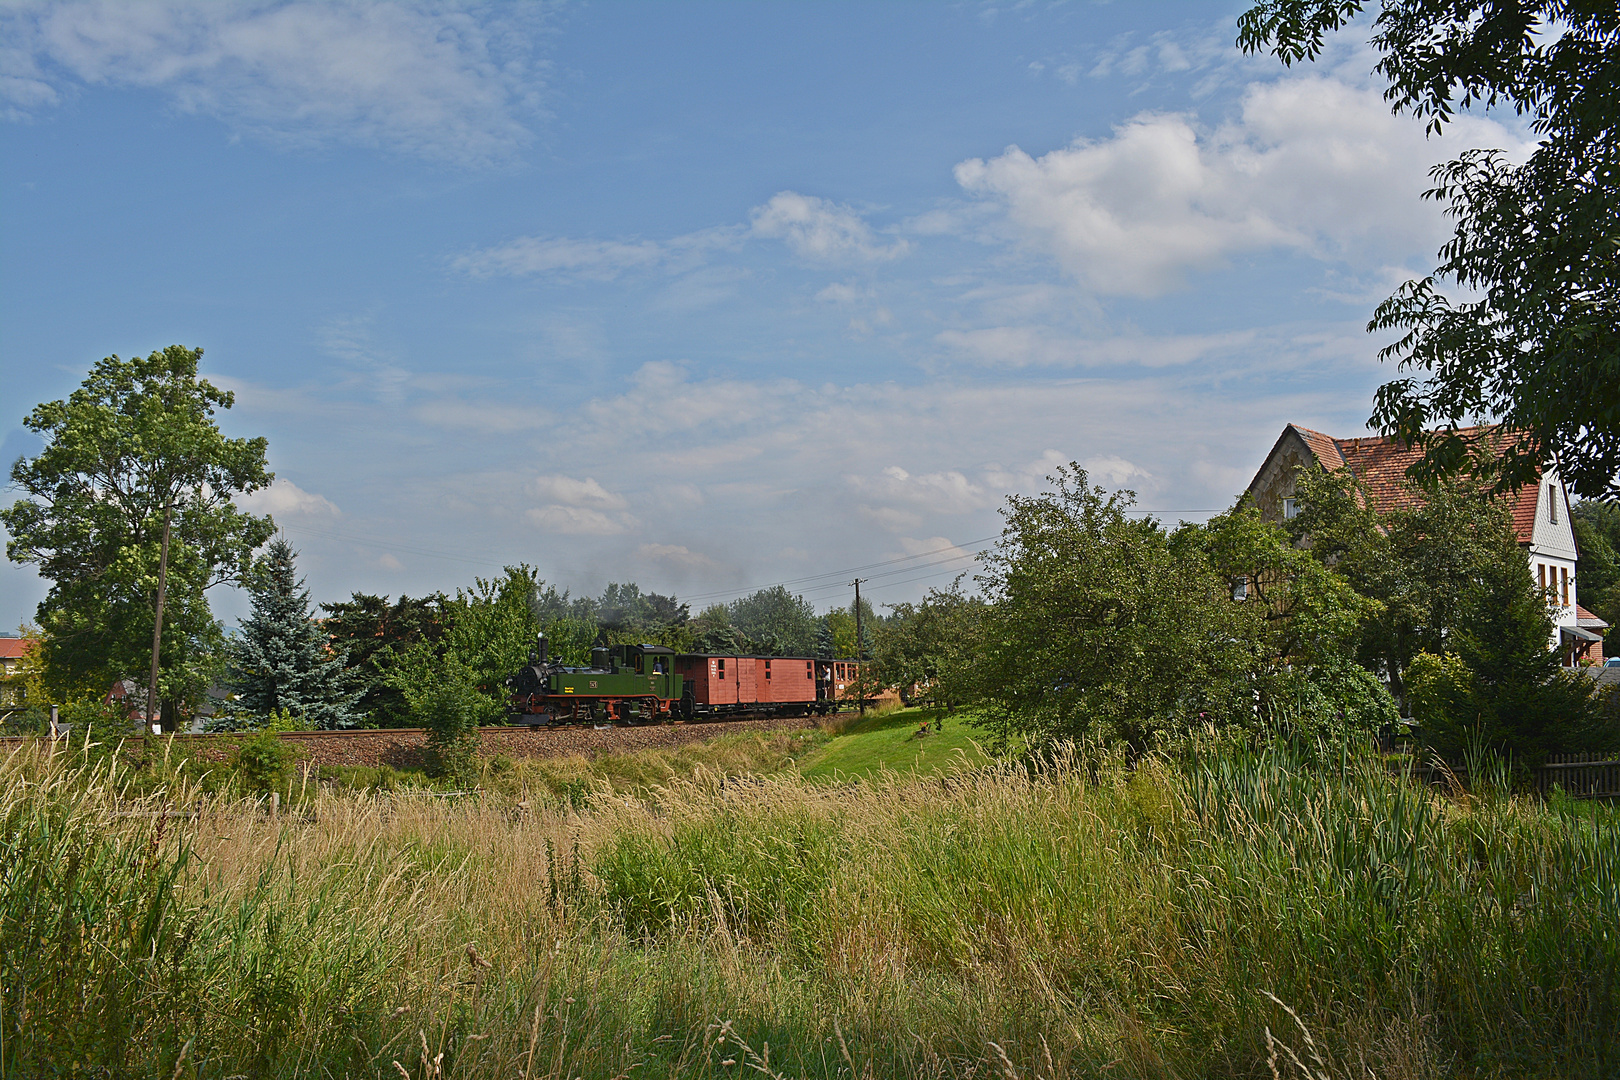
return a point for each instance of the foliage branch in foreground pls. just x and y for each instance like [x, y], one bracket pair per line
[1537, 243]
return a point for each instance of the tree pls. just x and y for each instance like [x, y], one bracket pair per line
[775, 622]
[128, 512]
[1094, 624]
[283, 660]
[1496, 685]
[371, 633]
[1308, 681]
[713, 633]
[1597, 534]
[1420, 562]
[1536, 245]
[926, 649]
[492, 627]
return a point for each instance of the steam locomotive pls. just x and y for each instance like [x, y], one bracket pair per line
[651, 684]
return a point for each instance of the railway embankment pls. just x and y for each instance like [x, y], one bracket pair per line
[404, 747]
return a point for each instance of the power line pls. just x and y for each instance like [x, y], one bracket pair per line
[839, 573]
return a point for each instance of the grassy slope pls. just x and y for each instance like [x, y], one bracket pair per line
[890, 741]
[1089, 918]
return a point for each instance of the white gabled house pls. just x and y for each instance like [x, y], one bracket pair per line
[1540, 516]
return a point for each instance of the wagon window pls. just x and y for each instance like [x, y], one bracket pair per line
[767, 670]
[809, 671]
[722, 669]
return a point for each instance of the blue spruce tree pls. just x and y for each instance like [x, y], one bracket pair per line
[284, 660]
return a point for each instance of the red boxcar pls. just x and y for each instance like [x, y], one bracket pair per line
[770, 684]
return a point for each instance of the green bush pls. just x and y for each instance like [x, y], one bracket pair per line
[284, 720]
[450, 710]
[264, 763]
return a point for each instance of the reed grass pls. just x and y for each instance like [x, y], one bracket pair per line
[1221, 911]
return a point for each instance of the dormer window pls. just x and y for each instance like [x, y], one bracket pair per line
[1290, 509]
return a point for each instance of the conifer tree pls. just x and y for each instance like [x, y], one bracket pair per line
[282, 660]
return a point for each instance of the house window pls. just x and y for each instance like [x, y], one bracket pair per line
[1564, 573]
[1552, 504]
[1240, 588]
[1290, 508]
[1541, 576]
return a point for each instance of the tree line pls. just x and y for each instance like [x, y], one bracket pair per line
[1091, 621]
[1084, 619]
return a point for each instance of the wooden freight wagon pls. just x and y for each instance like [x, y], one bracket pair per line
[717, 685]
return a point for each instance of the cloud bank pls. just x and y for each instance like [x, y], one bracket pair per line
[1310, 164]
[444, 82]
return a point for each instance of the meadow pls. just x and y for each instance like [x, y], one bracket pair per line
[759, 909]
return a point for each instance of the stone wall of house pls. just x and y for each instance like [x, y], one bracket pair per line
[1276, 479]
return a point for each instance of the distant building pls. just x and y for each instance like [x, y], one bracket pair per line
[13, 695]
[1540, 515]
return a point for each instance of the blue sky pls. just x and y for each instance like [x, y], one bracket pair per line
[703, 296]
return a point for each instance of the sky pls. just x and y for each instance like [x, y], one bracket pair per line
[704, 296]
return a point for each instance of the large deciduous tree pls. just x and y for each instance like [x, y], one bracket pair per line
[132, 498]
[1535, 341]
[1095, 624]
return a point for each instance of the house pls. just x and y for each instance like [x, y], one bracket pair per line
[1379, 464]
[13, 696]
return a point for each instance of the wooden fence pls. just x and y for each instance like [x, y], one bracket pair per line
[1585, 776]
[1582, 776]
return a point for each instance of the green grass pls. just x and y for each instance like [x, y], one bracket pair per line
[1160, 918]
[889, 741]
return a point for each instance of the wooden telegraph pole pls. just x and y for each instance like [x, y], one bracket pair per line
[860, 647]
[157, 623]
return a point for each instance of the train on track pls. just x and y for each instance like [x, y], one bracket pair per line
[651, 684]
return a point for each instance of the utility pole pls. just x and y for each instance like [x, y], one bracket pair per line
[157, 623]
[860, 646]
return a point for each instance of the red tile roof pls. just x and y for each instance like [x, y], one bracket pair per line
[12, 648]
[1379, 463]
[1325, 447]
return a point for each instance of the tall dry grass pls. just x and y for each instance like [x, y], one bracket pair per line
[1224, 912]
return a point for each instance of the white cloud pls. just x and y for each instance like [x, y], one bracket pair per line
[570, 492]
[820, 230]
[436, 81]
[454, 414]
[1114, 471]
[601, 260]
[1311, 164]
[286, 499]
[575, 521]
[1038, 346]
[947, 491]
[594, 260]
[677, 556]
[842, 292]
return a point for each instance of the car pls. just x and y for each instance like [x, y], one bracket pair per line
[1613, 661]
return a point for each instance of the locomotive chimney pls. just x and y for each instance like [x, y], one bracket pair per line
[539, 648]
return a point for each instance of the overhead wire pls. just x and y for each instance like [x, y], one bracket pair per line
[815, 586]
